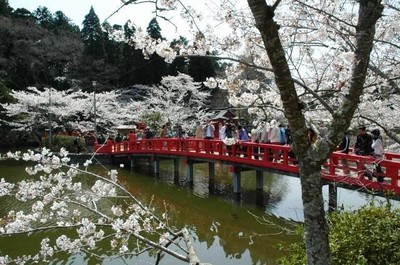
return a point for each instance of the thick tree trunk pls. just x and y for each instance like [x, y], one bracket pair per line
[311, 158]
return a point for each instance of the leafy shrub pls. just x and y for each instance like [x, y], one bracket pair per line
[65, 141]
[369, 235]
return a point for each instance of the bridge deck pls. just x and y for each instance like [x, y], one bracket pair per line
[269, 156]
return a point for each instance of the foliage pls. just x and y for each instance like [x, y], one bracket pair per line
[31, 55]
[5, 92]
[37, 47]
[5, 9]
[59, 141]
[154, 29]
[368, 235]
[93, 35]
[178, 99]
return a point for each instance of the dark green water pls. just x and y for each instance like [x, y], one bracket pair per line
[222, 228]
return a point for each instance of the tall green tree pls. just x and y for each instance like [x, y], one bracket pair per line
[132, 59]
[23, 13]
[155, 67]
[154, 29]
[5, 9]
[200, 68]
[113, 45]
[62, 22]
[179, 65]
[129, 30]
[44, 17]
[93, 36]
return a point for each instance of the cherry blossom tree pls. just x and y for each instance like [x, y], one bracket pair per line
[321, 57]
[178, 100]
[62, 197]
[76, 108]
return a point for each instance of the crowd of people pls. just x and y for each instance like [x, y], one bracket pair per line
[366, 143]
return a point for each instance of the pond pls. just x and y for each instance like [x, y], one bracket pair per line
[223, 229]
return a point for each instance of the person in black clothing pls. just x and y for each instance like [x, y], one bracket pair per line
[363, 147]
[148, 133]
[344, 148]
[118, 138]
[363, 144]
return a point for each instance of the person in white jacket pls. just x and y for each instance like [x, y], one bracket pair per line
[377, 145]
[275, 137]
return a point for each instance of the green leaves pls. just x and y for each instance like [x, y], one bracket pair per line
[368, 235]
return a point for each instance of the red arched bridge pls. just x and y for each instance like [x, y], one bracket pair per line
[358, 173]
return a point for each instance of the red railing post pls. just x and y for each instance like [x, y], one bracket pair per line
[333, 162]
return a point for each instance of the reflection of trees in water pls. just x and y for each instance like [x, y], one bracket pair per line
[219, 222]
[274, 190]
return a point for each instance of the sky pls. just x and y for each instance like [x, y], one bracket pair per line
[76, 10]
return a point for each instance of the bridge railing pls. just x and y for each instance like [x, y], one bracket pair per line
[360, 171]
[364, 171]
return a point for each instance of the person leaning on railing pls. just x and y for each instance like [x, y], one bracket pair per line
[363, 144]
[377, 145]
[363, 147]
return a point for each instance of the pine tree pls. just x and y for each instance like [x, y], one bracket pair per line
[179, 65]
[44, 17]
[5, 9]
[200, 68]
[154, 29]
[61, 21]
[93, 36]
[129, 30]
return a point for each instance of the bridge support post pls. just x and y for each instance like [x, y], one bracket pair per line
[111, 159]
[189, 172]
[332, 196]
[211, 170]
[259, 180]
[133, 162]
[236, 175]
[156, 164]
[176, 170]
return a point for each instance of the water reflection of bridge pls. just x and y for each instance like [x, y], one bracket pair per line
[259, 157]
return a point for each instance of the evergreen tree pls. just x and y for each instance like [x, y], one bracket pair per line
[154, 29]
[61, 21]
[129, 30]
[5, 9]
[93, 36]
[179, 65]
[131, 58]
[112, 45]
[44, 17]
[23, 13]
[200, 68]
[155, 67]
